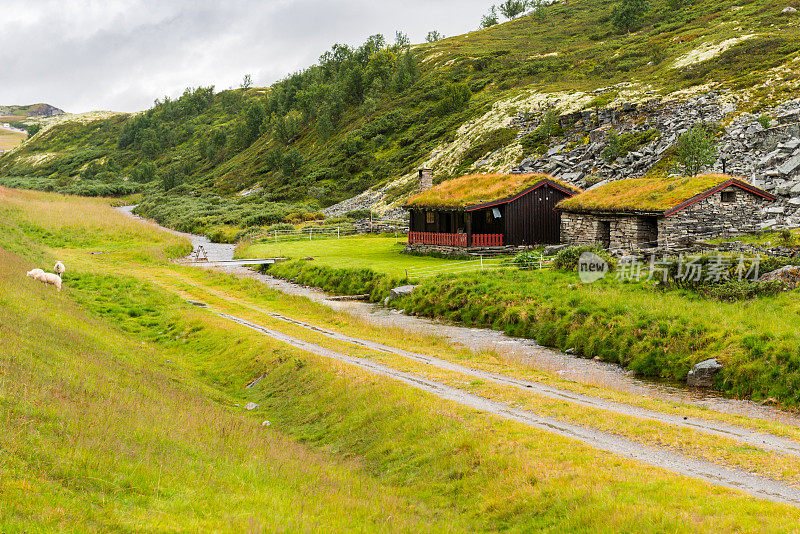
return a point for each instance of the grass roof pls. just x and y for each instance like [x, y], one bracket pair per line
[643, 194]
[479, 188]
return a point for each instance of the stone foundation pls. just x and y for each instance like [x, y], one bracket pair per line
[418, 248]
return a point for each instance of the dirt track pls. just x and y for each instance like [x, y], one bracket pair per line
[757, 486]
[741, 434]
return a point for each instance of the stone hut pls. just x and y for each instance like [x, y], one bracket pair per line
[654, 212]
[488, 210]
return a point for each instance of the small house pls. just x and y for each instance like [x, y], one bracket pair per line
[651, 212]
[488, 210]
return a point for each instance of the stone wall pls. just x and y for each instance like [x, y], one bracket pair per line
[624, 231]
[708, 218]
[711, 217]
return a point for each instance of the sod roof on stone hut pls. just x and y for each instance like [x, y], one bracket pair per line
[653, 194]
[476, 189]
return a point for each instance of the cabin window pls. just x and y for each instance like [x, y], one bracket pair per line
[729, 196]
[430, 217]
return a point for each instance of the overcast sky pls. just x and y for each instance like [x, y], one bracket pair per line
[84, 55]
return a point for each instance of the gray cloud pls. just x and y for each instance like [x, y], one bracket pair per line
[84, 55]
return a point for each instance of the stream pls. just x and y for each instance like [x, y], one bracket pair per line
[522, 351]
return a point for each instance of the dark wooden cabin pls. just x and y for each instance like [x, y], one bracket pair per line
[489, 210]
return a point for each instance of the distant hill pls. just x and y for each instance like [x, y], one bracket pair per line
[31, 110]
[367, 117]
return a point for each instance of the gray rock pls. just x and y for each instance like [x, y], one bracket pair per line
[791, 144]
[552, 250]
[788, 276]
[401, 291]
[769, 158]
[791, 165]
[702, 374]
[251, 406]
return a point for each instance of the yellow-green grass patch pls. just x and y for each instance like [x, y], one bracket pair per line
[643, 194]
[479, 188]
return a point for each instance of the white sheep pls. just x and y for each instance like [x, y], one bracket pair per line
[50, 279]
[33, 273]
[59, 268]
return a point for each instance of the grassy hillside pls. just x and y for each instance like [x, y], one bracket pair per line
[369, 115]
[172, 448]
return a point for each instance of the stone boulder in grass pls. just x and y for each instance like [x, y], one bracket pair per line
[788, 276]
[702, 374]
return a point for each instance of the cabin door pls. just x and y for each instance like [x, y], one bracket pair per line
[604, 233]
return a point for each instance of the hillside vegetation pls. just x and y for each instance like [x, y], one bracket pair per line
[369, 115]
[173, 448]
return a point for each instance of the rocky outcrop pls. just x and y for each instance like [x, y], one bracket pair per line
[579, 157]
[770, 158]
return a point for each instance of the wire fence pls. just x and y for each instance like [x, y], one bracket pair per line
[310, 233]
[479, 264]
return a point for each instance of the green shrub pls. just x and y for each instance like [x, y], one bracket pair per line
[489, 142]
[620, 145]
[696, 150]
[526, 260]
[340, 281]
[735, 290]
[223, 234]
[549, 127]
[454, 97]
[358, 214]
[567, 259]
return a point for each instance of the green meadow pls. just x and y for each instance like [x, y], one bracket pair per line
[123, 409]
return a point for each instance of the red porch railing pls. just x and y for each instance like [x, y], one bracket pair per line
[487, 240]
[434, 238]
[455, 240]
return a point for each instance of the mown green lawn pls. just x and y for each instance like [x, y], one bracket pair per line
[381, 254]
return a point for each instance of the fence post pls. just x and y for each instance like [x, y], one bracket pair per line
[310, 231]
[276, 236]
[481, 262]
[338, 236]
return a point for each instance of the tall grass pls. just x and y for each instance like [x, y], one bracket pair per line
[653, 333]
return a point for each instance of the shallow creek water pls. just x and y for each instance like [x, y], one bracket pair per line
[522, 351]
